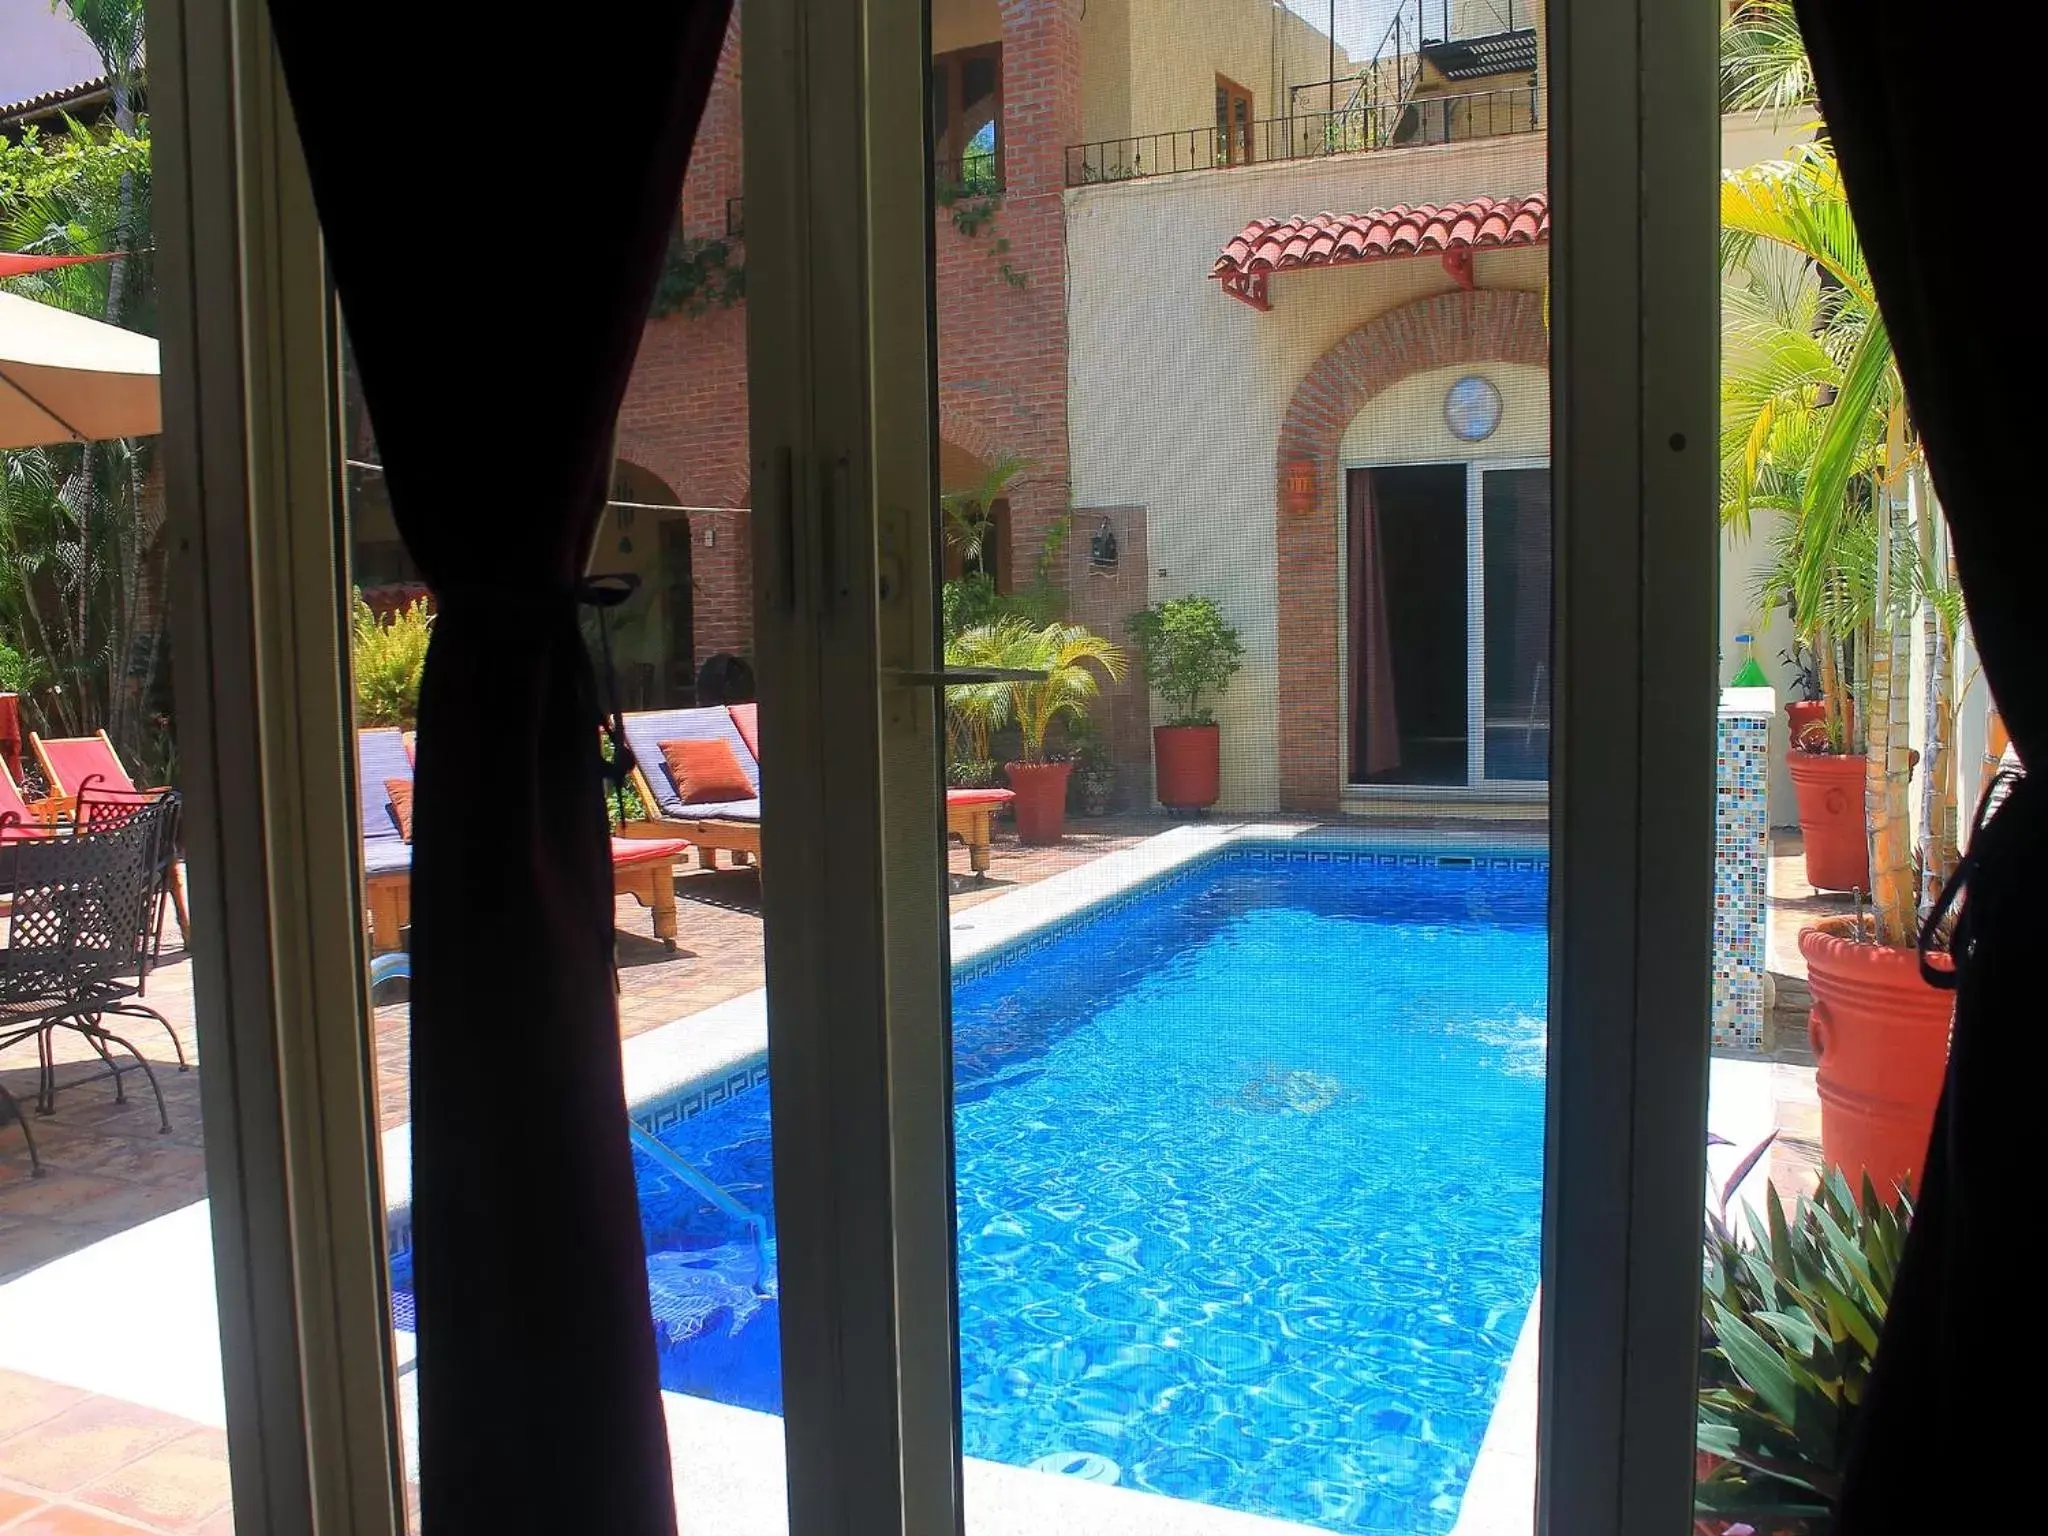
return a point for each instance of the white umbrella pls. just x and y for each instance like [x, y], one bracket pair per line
[67, 379]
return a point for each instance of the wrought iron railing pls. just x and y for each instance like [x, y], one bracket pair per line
[978, 173]
[1307, 136]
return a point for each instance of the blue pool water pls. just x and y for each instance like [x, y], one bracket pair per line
[1249, 1175]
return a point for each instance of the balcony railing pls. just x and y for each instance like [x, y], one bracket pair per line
[1307, 136]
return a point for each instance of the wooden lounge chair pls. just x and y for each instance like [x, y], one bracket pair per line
[731, 826]
[21, 818]
[74, 765]
[735, 825]
[641, 868]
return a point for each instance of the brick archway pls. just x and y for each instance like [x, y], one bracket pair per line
[1486, 326]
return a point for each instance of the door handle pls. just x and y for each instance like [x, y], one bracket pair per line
[953, 677]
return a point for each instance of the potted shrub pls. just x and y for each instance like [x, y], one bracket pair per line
[1792, 1309]
[1189, 653]
[1814, 423]
[1094, 769]
[1070, 657]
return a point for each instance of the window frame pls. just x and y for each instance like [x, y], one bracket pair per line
[949, 153]
[1229, 95]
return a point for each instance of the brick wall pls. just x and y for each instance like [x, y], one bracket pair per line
[685, 412]
[1488, 326]
[1002, 347]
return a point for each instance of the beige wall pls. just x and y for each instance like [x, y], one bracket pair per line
[1106, 70]
[1177, 391]
[1405, 424]
[964, 24]
[1178, 47]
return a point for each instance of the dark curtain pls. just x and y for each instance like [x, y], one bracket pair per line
[1375, 728]
[444, 147]
[1947, 1429]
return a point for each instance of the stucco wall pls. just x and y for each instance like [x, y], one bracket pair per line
[1179, 47]
[1177, 391]
[1405, 424]
[964, 24]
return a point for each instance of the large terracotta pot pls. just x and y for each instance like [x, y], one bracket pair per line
[1808, 719]
[1880, 1040]
[1188, 760]
[1041, 803]
[1830, 790]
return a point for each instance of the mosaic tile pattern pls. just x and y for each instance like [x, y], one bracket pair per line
[1742, 861]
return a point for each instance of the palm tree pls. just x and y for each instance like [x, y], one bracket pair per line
[1069, 656]
[968, 512]
[1763, 60]
[976, 711]
[1814, 424]
[115, 29]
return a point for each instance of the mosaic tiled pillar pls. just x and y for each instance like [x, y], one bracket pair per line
[1742, 861]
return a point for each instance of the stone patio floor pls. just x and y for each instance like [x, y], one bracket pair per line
[76, 1464]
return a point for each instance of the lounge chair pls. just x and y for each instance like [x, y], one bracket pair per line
[735, 825]
[74, 765]
[641, 868]
[732, 826]
[20, 818]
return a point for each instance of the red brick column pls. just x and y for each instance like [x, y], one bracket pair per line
[1489, 326]
[1003, 347]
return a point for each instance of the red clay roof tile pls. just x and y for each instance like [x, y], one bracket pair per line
[1451, 230]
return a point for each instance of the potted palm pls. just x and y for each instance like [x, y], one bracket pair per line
[1815, 423]
[1070, 658]
[1189, 653]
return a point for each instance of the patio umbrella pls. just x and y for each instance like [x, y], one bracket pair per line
[65, 378]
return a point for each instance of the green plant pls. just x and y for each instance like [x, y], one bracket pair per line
[1793, 1309]
[698, 273]
[967, 513]
[976, 711]
[1188, 652]
[389, 657]
[84, 564]
[1814, 426]
[1069, 656]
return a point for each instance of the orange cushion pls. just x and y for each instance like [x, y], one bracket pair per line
[746, 719]
[980, 796]
[705, 772]
[399, 793]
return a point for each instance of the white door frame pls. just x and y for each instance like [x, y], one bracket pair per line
[1477, 787]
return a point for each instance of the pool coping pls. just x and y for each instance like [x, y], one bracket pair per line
[680, 1069]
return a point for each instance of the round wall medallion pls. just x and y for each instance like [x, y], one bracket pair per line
[1472, 408]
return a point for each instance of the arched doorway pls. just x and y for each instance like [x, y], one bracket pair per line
[646, 533]
[1325, 661]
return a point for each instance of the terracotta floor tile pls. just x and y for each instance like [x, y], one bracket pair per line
[56, 1193]
[14, 1504]
[60, 1520]
[176, 1485]
[85, 1442]
[222, 1523]
[26, 1400]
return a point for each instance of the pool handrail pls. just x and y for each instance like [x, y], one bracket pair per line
[670, 1162]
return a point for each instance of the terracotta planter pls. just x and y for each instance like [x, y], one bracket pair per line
[1189, 764]
[1830, 790]
[1041, 803]
[1808, 719]
[1880, 1040]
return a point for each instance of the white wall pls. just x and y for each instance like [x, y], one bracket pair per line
[1177, 390]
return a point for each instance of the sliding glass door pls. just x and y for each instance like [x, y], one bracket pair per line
[1447, 576]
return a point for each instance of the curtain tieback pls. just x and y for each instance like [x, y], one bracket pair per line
[604, 593]
[2010, 796]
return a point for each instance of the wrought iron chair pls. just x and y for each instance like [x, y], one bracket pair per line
[77, 935]
[101, 810]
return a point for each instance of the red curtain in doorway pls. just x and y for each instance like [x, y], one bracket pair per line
[1375, 734]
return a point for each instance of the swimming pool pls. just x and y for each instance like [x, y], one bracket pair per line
[1249, 1181]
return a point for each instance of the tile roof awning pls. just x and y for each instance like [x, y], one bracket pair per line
[1454, 232]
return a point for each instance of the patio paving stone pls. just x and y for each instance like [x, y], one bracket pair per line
[87, 1441]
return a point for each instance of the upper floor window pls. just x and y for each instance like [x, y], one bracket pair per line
[967, 116]
[1233, 122]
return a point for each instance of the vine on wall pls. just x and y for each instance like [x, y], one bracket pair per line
[698, 274]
